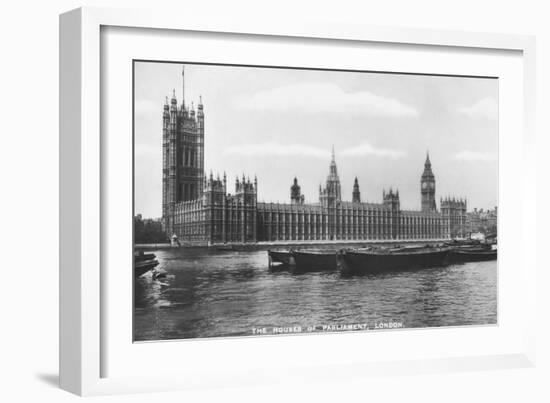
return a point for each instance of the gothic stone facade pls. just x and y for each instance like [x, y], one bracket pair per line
[200, 211]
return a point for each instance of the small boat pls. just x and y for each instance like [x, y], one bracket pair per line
[456, 243]
[472, 255]
[143, 262]
[377, 261]
[279, 256]
[159, 274]
[314, 260]
[142, 257]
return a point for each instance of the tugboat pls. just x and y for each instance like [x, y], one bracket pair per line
[473, 250]
[380, 260]
[143, 262]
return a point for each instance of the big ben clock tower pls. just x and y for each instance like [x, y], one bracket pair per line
[427, 186]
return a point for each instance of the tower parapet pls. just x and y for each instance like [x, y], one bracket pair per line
[183, 156]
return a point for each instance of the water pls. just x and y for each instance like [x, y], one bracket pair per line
[210, 293]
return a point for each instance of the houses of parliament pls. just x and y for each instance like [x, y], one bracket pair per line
[199, 210]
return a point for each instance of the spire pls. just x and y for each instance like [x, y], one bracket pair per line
[428, 174]
[333, 171]
[183, 87]
[356, 195]
[200, 107]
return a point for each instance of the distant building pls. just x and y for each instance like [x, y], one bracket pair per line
[200, 211]
[484, 221]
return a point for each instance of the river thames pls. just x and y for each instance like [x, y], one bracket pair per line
[212, 293]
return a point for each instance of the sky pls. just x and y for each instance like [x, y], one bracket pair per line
[279, 123]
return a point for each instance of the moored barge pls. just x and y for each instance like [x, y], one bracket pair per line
[377, 261]
[314, 260]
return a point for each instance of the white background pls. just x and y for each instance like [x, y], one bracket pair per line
[29, 203]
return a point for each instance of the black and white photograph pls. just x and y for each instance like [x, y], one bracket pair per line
[271, 201]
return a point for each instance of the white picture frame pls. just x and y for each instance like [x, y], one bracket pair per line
[82, 171]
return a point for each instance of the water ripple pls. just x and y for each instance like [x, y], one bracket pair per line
[222, 293]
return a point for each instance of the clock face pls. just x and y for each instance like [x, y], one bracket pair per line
[424, 185]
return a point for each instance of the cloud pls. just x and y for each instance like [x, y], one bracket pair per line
[486, 108]
[302, 150]
[315, 97]
[280, 150]
[368, 149]
[147, 107]
[474, 156]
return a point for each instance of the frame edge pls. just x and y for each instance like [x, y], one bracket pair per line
[70, 278]
[79, 349]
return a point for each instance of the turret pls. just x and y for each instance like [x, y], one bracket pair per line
[200, 108]
[391, 199]
[356, 197]
[173, 110]
[166, 108]
[173, 101]
[295, 193]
